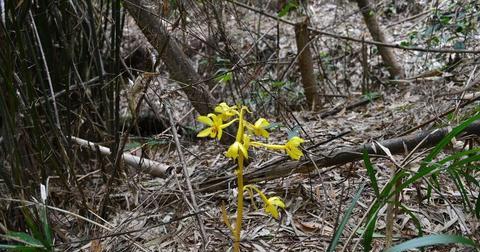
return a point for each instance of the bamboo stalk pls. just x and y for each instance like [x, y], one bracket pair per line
[149, 166]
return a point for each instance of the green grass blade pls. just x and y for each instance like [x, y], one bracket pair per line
[440, 239]
[371, 173]
[415, 220]
[24, 238]
[341, 227]
[368, 234]
[428, 167]
[440, 146]
[21, 248]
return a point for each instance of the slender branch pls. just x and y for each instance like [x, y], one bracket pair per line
[334, 35]
[47, 72]
[187, 178]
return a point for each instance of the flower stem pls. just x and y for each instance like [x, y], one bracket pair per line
[238, 227]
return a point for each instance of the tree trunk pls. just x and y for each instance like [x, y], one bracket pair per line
[177, 63]
[394, 68]
[305, 63]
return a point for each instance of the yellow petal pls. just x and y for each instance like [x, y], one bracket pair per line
[263, 132]
[232, 151]
[222, 107]
[204, 132]
[276, 201]
[205, 120]
[243, 150]
[213, 133]
[296, 141]
[219, 133]
[294, 153]
[246, 141]
[223, 126]
[262, 123]
[292, 147]
[272, 210]
[272, 204]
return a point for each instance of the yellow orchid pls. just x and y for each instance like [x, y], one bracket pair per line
[216, 126]
[235, 149]
[259, 127]
[226, 111]
[271, 204]
[291, 147]
[239, 152]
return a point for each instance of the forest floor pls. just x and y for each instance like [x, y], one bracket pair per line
[315, 202]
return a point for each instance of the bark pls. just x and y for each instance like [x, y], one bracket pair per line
[393, 66]
[177, 63]
[305, 63]
[282, 168]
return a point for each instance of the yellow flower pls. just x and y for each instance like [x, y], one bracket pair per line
[226, 111]
[235, 149]
[259, 127]
[216, 126]
[291, 147]
[246, 141]
[272, 205]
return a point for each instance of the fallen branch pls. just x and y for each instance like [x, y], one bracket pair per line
[151, 167]
[273, 170]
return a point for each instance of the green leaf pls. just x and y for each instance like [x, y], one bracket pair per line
[21, 248]
[132, 145]
[427, 166]
[224, 78]
[278, 84]
[368, 234]
[287, 8]
[439, 239]
[404, 43]
[346, 217]
[24, 238]
[415, 220]
[371, 173]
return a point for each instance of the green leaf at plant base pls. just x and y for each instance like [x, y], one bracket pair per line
[415, 220]
[368, 234]
[371, 173]
[346, 217]
[23, 238]
[21, 248]
[427, 166]
[439, 239]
